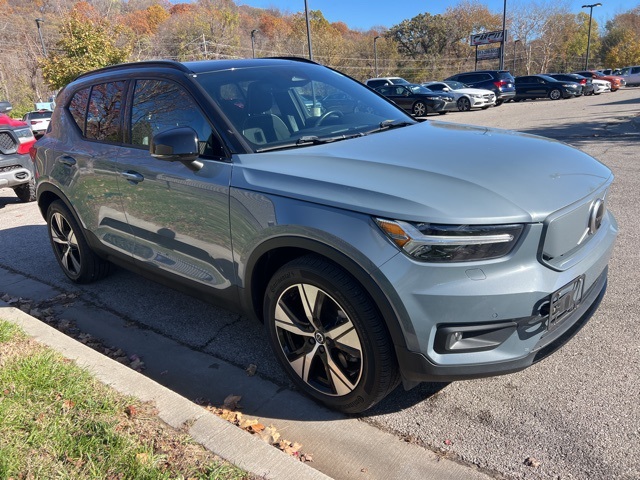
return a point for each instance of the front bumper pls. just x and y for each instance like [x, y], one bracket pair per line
[15, 170]
[418, 368]
[504, 303]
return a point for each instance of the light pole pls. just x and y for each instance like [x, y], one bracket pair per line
[375, 54]
[306, 15]
[514, 57]
[253, 46]
[590, 7]
[38, 22]
[504, 26]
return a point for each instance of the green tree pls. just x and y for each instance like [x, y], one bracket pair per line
[84, 45]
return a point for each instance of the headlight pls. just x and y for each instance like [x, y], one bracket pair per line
[433, 98]
[568, 85]
[476, 95]
[23, 133]
[431, 242]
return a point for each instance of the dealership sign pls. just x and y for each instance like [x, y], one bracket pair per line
[487, 37]
[488, 54]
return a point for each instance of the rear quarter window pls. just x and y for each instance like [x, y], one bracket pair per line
[78, 107]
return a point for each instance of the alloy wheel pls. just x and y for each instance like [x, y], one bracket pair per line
[419, 109]
[319, 340]
[66, 244]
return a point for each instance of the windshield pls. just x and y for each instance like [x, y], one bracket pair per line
[456, 85]
[288, 106]
[420, 89]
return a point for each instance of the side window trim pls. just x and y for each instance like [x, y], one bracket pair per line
[121, 119]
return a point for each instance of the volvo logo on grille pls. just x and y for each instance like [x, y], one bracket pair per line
[595, 216]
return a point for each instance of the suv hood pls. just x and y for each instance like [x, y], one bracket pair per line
[431, 172]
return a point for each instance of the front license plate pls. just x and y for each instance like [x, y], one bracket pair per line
[564, 301]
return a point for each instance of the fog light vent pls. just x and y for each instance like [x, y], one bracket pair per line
[472, 338]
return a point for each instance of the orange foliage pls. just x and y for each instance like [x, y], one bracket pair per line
[271, 26]
[341, 27]
[84, 10]
[146, 22]
[180, 8]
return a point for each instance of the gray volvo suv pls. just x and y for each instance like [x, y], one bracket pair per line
[375, 248]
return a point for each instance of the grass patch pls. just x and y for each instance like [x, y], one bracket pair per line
[57, 421]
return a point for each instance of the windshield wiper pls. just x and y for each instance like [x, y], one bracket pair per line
[391, 124]
[309, 140]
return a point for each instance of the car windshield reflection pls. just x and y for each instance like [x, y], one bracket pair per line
[284, 106]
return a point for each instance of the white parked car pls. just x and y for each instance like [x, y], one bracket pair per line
[600, 86]
[466, 97]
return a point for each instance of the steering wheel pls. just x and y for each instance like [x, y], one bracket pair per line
[330, 113]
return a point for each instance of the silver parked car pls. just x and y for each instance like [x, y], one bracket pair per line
[465, 96]
[375, 248]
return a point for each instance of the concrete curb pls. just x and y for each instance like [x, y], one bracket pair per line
[218, 436]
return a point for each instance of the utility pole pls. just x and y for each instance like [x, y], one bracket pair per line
[590, 7]
[38, 22]
[375, 54]
[306, 14]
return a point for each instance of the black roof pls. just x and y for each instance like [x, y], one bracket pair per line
[201, 66]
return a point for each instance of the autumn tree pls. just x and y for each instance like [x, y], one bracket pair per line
[85, 44]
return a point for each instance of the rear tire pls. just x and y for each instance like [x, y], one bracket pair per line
[328, 335]
[26, 192]
[78, 262]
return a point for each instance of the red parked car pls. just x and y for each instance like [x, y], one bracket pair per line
[615, 80]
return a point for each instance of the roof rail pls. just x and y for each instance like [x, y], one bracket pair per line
[146, 63]
[296, 59]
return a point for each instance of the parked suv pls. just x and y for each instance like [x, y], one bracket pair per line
[500, 82]
[16, 167]
[38, 120]
[631, 75]
[374, 247]
[544, 86]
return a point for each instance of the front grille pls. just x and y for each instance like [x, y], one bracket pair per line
[568, 231]
[8, 144]
[9, 168]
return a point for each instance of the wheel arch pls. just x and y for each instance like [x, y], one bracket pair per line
[269, 256]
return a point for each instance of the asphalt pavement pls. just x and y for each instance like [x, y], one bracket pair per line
[574, 415]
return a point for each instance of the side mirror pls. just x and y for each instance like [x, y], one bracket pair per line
[177, 145]
[446, 89]
[5, 107]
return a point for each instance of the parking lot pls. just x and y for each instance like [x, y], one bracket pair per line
[574, 415]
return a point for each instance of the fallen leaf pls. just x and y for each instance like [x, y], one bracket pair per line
[131, 411]
[68, 405]
[448, 442]
[270, 435]
[142, 457]
[251, 370]
[257, 428]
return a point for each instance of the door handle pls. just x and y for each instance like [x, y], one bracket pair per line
[67, 160]
[132, 177]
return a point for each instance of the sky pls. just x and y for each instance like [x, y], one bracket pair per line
[365, 14]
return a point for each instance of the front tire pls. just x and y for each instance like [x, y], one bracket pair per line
[78, 262]
[555, 94]
[328, 335]
[26, 192]
[464, 105]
